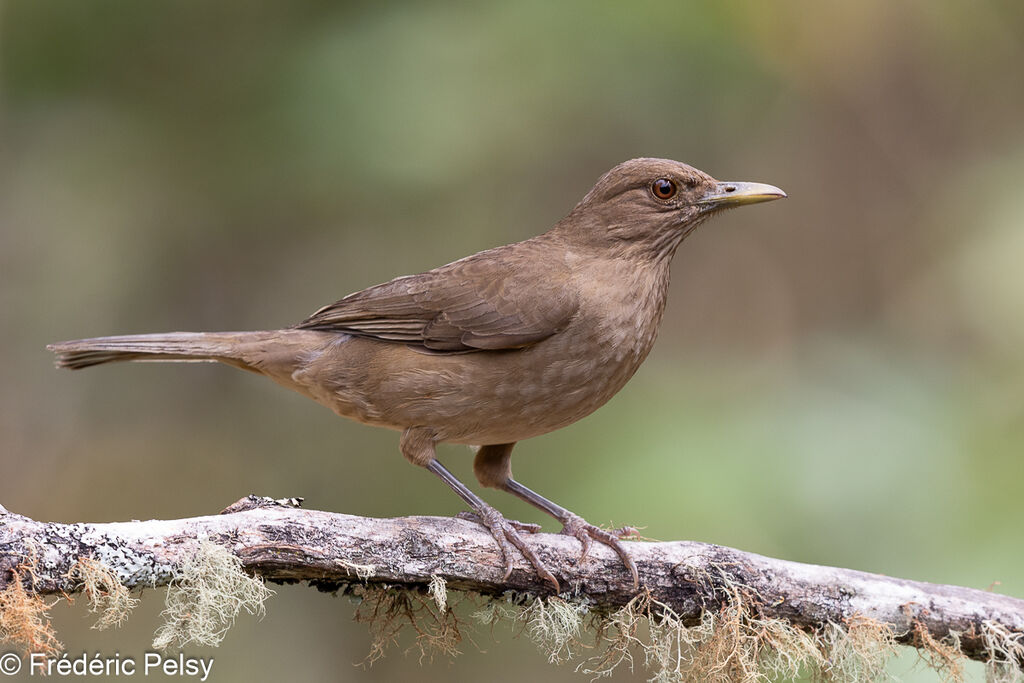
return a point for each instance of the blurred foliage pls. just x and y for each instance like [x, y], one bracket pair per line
[840, 376]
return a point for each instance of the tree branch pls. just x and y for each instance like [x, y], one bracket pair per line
[282, 543]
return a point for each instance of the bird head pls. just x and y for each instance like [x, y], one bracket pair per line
[648, 206]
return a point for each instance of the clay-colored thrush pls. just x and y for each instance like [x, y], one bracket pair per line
[490, 349]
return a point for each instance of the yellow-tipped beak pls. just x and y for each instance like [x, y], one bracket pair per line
[738, 194]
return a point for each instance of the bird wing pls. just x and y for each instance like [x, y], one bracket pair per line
[489, 301]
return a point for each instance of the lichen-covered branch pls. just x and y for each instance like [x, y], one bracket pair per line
[282, 543]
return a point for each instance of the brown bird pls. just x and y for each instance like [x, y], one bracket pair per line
[491, 349]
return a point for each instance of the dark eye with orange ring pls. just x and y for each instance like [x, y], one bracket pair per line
[663, 188]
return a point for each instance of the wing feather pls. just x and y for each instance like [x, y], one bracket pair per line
[503, 298]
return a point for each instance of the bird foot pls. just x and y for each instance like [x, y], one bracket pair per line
[585, 532]
[528, 527]
[506, 534]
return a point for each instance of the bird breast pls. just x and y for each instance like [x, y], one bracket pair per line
[569, 375]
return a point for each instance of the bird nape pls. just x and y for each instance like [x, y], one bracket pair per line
[491, 349]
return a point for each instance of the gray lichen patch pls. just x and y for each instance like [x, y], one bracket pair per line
[856, 650]
[206, 596]
[1005, 650]
[438, 590]
[135, 564]
[554, 625]
[360, 571]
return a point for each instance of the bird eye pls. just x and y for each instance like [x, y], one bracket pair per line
[663, 188]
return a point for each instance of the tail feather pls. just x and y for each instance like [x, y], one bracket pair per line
[169, 346]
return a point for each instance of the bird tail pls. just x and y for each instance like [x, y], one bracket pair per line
[225, 347]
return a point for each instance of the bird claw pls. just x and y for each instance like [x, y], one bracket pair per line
[584, 531]
[506, 534]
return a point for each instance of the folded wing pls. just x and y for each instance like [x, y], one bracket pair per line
[490, 301]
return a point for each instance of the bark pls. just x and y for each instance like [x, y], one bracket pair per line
[331, 551]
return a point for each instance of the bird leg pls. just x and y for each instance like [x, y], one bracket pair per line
[418, 446]
[492, 467]
[505, 532]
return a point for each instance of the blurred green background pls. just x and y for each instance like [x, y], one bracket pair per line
[839, 378]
